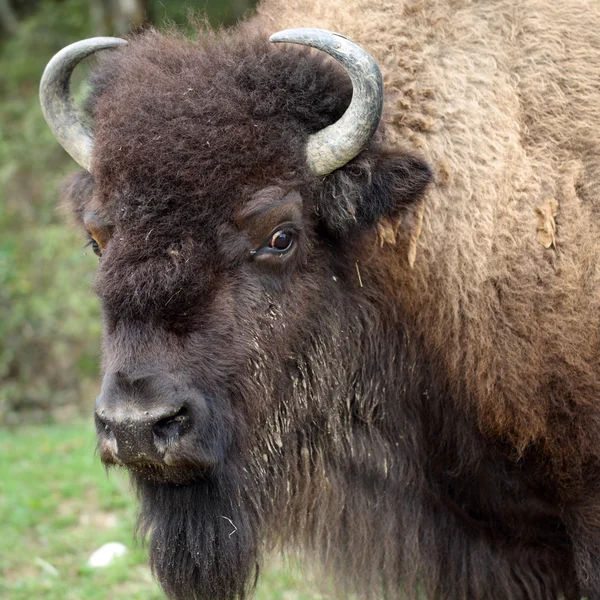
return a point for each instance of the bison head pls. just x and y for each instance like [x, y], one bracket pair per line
[233, 193]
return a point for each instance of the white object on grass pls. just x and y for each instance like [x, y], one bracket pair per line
[106, 554]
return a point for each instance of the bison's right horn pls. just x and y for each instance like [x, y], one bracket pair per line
[65, 120]
[335, 145]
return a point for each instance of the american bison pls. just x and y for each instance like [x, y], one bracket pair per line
[373, 339]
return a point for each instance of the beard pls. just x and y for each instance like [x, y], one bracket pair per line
[203, 536]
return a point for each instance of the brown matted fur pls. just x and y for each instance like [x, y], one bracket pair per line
[422, 414]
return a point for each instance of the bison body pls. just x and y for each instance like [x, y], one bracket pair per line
[394, 365]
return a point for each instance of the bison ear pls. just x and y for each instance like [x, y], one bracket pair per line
[78, 191]
[373, 186]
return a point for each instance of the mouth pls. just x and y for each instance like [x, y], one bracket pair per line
[168, 469]
[179, 475]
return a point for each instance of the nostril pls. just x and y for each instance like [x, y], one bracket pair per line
[170, 427]
[101, 424]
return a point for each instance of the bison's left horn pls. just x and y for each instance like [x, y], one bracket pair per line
[66, 122]
[335, 145]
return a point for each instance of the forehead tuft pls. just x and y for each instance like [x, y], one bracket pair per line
[182, 125]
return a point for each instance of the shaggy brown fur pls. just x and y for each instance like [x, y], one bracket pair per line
[426, 424]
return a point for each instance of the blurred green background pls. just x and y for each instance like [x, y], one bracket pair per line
[56, 503]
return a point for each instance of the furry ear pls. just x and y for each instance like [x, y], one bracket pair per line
[372, 186]
[78, 191]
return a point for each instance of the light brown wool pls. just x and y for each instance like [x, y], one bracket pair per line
[503, 101]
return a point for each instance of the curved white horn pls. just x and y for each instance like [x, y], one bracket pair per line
[63, 117]
[335, 145]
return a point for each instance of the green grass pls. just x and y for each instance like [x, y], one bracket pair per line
[58, 505]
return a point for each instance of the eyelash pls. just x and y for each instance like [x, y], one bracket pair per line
[95, 247]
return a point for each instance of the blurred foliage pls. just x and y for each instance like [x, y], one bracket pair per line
[49, 319]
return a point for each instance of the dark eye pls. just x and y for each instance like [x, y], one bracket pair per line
[95, 247]
[281, 240]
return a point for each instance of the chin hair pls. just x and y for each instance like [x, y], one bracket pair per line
[203, 536]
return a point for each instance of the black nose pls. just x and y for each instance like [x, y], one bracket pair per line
[135, 437]
[140, 420]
